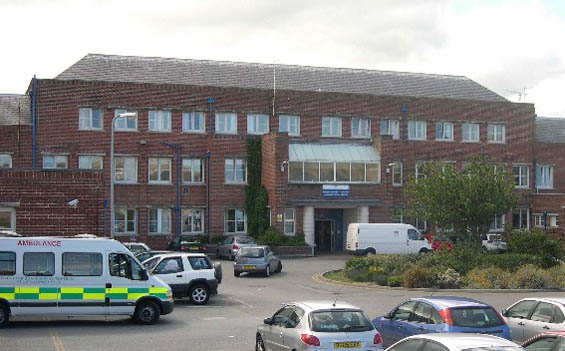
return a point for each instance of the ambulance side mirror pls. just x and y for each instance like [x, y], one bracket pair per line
[144, 275]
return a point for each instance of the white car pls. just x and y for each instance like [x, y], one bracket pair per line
[454, 342]
[531, 316]
[493, 243]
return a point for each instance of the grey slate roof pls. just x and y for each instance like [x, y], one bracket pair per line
[14, 109]
[134, 69]
[550, 130]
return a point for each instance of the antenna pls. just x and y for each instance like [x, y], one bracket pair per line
[337, 295]
[521, 94]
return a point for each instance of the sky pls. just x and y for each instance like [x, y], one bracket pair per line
[514, 47]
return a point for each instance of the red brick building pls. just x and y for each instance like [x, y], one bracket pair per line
[337, 145]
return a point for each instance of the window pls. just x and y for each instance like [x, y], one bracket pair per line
[444, 131]
[417, 130]
[193, 122]
[311, 172]
[296, 171]
[192, 170]
[289, 221]
[5, 161]
[360, 128]
[55, 162]
[342, 172]
[226, 123]
[545, 343]
[90, 162]
[89, 119]
[192, 221]
[419, 170]
[82, 263]
[543, 312]
[235, 170]
[470, 133]
[404, 311]
[520, 218]
[125, 169]
[159, 221]
[169, 265]
[497, 224]
[408, 345]
[125, 221]
[521, 309]
[390, 127]
[420, 224]
[397, 215]
[496, 133]
[7, 263]
[540, 220]
[544, 176]
[122, 265]
[331, 127]
[257, 124]
[235, 221]
[159, 121]
[332, 172]
[199, 262]
[396, 174]
[39, 263]
[8, 218]
[159, 170]
[125, 123]
[521, 176]
[289, 124]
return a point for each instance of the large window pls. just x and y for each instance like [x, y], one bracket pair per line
[82, 263]
[7, 263]
[192, 170]
[497, 224]
[333, 172]
[125, 123]
[235, 170]
[470, 133]
[192, 221]
[544, 176]
[289, 221]
[417, 130]
[39, 263]
[331, 127]
[89, 119]
[125, 169]
[521, 218]
[125, 221]
[396, 171]
[257, 124]
[55, 161]
[159, 121]
[289, 124]
[521, 176]
[496, 133]
[159, 221]
[90, 162]
[360, 128]
[5, 161]
[193, 122]
[226, 123]
[235, 221]
[390, 127]
[444, 131]
[7, 218]
[159, 170]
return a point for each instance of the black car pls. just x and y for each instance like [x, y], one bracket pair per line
[186, 245]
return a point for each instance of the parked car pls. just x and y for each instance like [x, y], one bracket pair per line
[136, 247]
[145, 255]
[318, 325]
[440, 314]
[454, 342]
[186, 245]
[385, 238]
[256, 259]
[493, 243]
[229, 247]
[188, 274]
[531, 316]
[550, 341]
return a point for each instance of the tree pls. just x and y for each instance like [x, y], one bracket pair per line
[256, 197]
[467, 199]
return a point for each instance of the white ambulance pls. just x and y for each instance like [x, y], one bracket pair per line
[77, 276]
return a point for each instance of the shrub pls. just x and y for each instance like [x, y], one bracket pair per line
[530, 277]
[556, 276]
[536, 242]
[395, 281]
[488, 278]
[419, 277]
[509, 261]
[217, 239]
[461, 258]
[296, 240]
[271, 237]
[449, 279]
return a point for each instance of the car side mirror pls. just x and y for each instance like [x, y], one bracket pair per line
[504, 312]
[268, 321]
[388, 315]
[144, 275]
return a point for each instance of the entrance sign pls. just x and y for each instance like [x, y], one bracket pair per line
[335, 191]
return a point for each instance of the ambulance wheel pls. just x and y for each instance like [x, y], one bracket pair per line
[146, 312]
[199, 294]
[4, 315]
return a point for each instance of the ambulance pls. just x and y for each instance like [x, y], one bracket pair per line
[77, 276]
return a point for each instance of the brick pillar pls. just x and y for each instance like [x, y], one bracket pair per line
[363, 214]
[308, 225]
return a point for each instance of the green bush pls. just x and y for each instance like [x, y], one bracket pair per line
[530, 277]
[509, 261]
[395, 280]
[462, 258]
[536, 242]
[488, 278]
[449, 279]
[556, 276]
[419, 277]
[271, 237]
[296, 240]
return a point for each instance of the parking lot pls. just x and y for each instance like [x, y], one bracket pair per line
[229, 320]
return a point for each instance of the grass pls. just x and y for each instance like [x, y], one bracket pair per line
[337, 276]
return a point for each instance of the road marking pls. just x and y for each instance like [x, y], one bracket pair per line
[57, 343]
[240, 301]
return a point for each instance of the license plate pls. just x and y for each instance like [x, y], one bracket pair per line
[248, 267]
[194, 248]
[347, 345]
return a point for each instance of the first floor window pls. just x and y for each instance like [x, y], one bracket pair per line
[193, 122]
[470, 132]
[192, 221]
[360, 128]
[125, 169]
[417, 130]
[90, 162]
[289, 124]
[497, 223]
[160, 121]
[544, 176]
[8, 218]
[192, 170]
[257, 124]
[125, 123]
[331, 126]
[496, 133]
[125, 220]
[226, 123]
[419, 170]
[334, 172]
[396, 173]
[521, 176]
[390, 127]
[159, 170]
[289, 221]
[235, 221]
[159, 220]
[55, 162]
[89, 119]
[235, 170]
[444, 131]
[5, 161]
[520, 218]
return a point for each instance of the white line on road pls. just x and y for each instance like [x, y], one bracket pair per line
[240, 301]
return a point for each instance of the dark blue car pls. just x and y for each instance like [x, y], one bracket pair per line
[440, 314]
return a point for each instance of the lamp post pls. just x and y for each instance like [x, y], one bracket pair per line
[113, 169]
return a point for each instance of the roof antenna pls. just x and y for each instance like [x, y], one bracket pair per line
[337, 295]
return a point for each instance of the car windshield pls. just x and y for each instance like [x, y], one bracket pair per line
[337, 321]
[475, 317]
[252, 252]
[495, 348]
[150, 264]
[245, 240]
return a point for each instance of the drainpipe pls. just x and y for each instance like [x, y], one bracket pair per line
[208, 195]
[33, 120]
[211, 102]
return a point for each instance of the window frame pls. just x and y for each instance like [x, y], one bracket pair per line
[232, 116]
[290, 221]
[12, 214]
[492, 135]
[391, 123]
[192, 181]
[91, 157]
[358, 131]
[126, 220]
[188, 119]
[158, 117]
[64, 272]
[396, 165]
[522, 215]
[499, 222]
[125, 128]
[442, 132]
[255, 117]
[42, 253]
[159, 164]
[330, 119]
[234, 181]
[14, 262]
[288, 123]
[55, 157]
[135, 172]
[89, 118]
[520, 175]
[539, 220]
[162, 213]
[470, 133]
[191, 216]
[235, 220]
[542, 167]
[8, 157]
[416, 124]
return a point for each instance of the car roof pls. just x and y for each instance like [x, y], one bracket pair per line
[311, 306]
[560, 300]
[459, 341]
[441, 302]
[177, 253]
[255, 247]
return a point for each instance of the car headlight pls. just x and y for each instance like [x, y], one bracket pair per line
[169, 295]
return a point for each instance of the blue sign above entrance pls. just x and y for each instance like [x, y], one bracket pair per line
[335, 191]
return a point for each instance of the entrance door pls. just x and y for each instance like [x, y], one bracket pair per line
[324, 235]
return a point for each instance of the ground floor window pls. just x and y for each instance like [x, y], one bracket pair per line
[289, 221]
[8, 218]
[541, 218]
[497, 224]
[192, 221]
[159, 221]
[235, 221]
[521, 218]
[125, 221]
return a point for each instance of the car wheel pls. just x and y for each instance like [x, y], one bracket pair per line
[236, 274]
[268, 271]
[199, 294]
[279, 267]
[370, 252]
[259, 346]
[4, 315]
[423, 251]
[146, 312]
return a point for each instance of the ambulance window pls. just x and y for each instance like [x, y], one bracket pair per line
[7, 263]
[39, 263]
[122, 265]
[82, 263]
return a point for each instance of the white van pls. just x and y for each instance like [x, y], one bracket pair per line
[385, 238]
[77, 276]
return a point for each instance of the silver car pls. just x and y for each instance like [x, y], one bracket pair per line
[314, 325]
[229, 247]
[531, 316]
[454, 342]
[258, 259]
